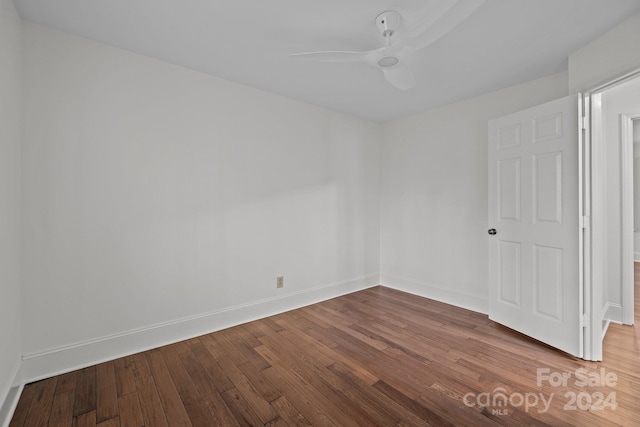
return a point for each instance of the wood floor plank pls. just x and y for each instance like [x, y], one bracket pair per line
[295, 392]
[113, 422]
[307, 398]
[312, 366]
[208, 388]
[254, 374]
[152, 411]
[245, 343]
[323, 345]
[348, 328]
[125, 377]
[130, 411]
[85, 391]
[67, 383]
[392, 367]
[171, 402]
[62, 410]
[324, 381]
[41, 403]
[193, 402]
[244, 390]
[87, 419]
[211, 366]
[241, 408]
[412, 405]
[377, 357]
[182, 346]
[380, 400]
[289, 413]
[141, 366]
[278, 422]
[106, 392]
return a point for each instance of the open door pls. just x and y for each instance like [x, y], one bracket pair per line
[534, 227]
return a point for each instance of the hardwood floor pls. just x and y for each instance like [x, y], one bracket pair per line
[375, 357]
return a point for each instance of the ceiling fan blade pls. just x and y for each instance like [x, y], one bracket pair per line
[334, 56]
[439, 21]
[400, 76]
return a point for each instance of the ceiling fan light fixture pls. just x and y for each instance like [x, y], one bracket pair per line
[388, 61]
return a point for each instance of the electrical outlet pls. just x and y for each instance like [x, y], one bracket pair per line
[280, 282]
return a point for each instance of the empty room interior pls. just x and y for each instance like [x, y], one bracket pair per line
[375, 212]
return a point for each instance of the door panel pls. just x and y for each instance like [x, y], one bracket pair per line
[547, 281]
[547, 187]
[534, 280]
[509, 191]
[510, 262]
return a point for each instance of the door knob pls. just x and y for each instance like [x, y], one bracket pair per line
[492, 231]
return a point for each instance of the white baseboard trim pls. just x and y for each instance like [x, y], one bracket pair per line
[438, 293]
[605, 327]
[10, 401]
[636, 257]
[45, 364]
[612, 312]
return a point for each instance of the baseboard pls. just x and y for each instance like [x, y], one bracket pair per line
[636, 257]
[612, 312]
[10, 401]
[45, 364]
[605, 327]
[438, 293]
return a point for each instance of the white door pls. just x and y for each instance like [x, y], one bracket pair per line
[534, 280]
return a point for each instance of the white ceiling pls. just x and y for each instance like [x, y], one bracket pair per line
[505, 42]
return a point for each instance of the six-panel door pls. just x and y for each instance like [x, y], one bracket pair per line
[533, 206]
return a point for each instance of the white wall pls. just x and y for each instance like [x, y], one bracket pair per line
[434, 194]
[622, 99]
[10, 130]
[155, 194]
[610, 55]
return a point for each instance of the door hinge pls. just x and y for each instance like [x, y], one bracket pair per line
[585, 222]
[582, 122]
[584, 320]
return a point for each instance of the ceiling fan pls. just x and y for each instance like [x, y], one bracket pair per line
[437, 20]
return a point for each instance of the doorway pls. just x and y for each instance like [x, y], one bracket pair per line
[611, 195]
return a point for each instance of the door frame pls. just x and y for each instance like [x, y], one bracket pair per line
[594, 220]
[627, 226]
